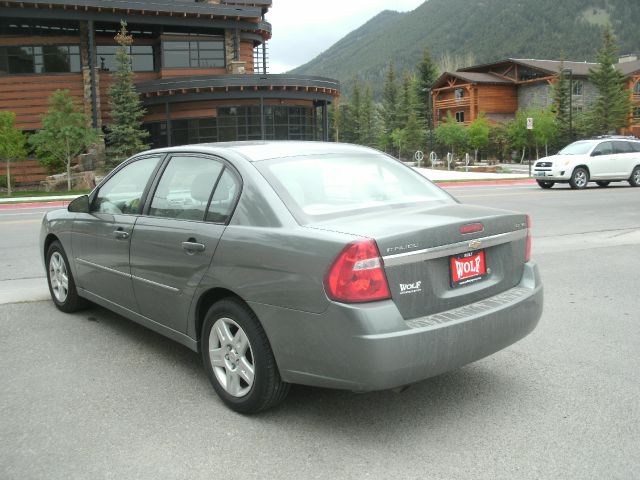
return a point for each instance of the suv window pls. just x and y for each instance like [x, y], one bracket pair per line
[122, 193]
[622, 147]
[605, 148]
[185, 188]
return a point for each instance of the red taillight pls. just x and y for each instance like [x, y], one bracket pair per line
[471, 228]
[357, 275]
[527, 255]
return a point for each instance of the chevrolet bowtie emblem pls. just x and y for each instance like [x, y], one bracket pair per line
[475, 244]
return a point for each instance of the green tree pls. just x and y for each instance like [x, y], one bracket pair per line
[451, 133]
[612, 109]
[389, 107]
[560, 92]
[517, 132]
[12, 143]
[414, 134]
[545, 129]
[427, 75]
[408, 100]
[64, 135]
[125, 135]
[368, 121]
[478, 134]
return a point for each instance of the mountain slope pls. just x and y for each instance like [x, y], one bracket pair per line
[485, 30]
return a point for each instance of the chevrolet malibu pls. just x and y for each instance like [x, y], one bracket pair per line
[296, 262]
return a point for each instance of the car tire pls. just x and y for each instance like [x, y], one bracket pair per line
[602, 183]
[62, 285]
[579, 178]
[238, 359]
[634, 179]
[545, 184]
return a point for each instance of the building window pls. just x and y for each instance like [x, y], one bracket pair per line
[636, 113]
[40, 59]
[141, 58]
[460, 117]
[577, 108]
[201, 53]
[577, 88]
[636, 88]
[459, 93]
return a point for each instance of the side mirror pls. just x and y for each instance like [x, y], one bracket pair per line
[79, 205]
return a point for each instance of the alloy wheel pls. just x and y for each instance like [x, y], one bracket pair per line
[231, 357]
[580, 179]
[58, 277]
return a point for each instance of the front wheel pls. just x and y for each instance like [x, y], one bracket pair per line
[579, 178]
[602, 183]
[61, 283]
[634, 180]
[545, 184]
[238, 359]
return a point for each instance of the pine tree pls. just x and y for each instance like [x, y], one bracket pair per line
[612, 108]
[125, 135]
[560, 92]
[367, 120]
[389, 106]
[427, 76]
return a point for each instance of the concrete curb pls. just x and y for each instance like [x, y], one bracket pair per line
[462, 183]
[9, 206]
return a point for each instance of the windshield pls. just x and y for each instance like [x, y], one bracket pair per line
[323, 186]
[577, 148]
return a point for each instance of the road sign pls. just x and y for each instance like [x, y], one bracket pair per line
[529, 123]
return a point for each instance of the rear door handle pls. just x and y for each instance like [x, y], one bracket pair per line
[121, 234]
[193, 247]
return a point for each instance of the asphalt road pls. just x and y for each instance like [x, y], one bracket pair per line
[92, 395]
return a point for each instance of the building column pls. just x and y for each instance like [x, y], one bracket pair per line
[263, 134]
[325, 121]
[167, 117]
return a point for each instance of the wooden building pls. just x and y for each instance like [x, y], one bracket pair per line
[200, 67]
[499, 89]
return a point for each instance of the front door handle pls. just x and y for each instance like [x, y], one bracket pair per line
[121, 234]
[192, 247]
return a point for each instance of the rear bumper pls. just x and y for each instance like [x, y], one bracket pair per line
[370, 347]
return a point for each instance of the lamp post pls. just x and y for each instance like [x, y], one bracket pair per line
[570, 72]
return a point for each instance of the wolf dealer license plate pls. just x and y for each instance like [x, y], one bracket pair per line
[468, 268]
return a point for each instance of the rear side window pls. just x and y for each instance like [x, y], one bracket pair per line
[185, 188]
[622, 147]
[605, 148]
[635, 146]
[223, 198]
[323, 186]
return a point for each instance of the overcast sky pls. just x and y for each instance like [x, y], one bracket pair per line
[302, 29]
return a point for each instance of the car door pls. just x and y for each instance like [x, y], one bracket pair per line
[102, 237]
[602, 161]
[625, 158]
[174, 241]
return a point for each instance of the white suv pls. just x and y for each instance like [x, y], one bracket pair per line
[600, 160]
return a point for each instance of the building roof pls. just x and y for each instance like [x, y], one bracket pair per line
[471, 77]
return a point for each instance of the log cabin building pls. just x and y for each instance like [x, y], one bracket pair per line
[499, 89]
[200, 67]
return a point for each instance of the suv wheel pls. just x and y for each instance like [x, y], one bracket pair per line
[545, 184]
[634, 180]
[602, 183]
[579, 178]
[238, 359]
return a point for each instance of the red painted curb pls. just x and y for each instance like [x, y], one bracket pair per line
[484, 182]
[10, 206]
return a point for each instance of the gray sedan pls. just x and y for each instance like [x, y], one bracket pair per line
[296, 262]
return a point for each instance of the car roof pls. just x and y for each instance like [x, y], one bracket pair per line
[255, 151]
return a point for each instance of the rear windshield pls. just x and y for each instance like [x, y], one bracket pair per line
[577, 148]
[327, 186]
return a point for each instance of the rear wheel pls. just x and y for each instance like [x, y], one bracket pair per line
[634, 180]
[61, 283]
[545, 184]
[579, 178]
[238, 359]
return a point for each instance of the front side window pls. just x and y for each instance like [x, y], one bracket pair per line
[185, 188]
[318, 187]
[196, 53]
[122, 193]
[40, 59]
[605, 148]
